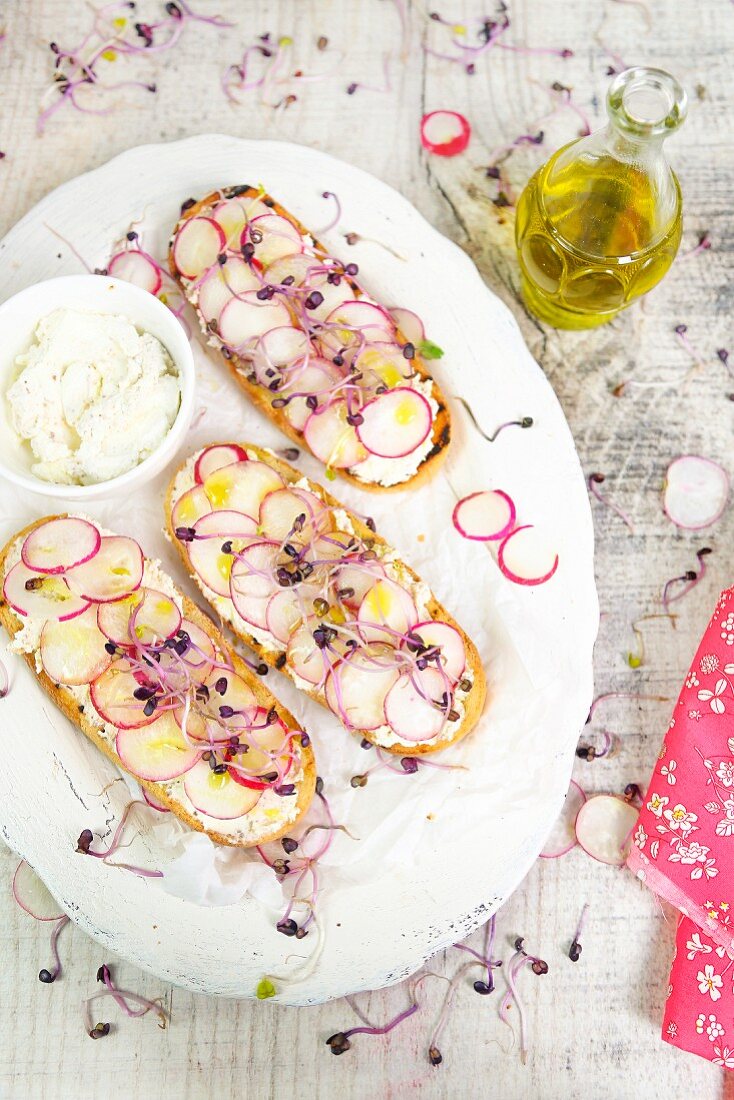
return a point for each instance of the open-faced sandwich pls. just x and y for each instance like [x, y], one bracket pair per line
[328, 364]
[150, 680]
[318, 594]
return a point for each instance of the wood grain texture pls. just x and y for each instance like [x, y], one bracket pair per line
[594, 1025]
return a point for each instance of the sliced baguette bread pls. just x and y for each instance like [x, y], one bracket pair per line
[213, 273]
[71, 649]
[211, 502]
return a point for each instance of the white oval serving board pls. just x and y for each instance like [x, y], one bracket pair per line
[438, 851]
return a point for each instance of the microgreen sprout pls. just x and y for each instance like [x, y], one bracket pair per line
[124, 1000]
[574, 951]
[518, 962]
[636, 660]
[596, 479]
[687, 580]
[86, 837]
[523, 422]
[48, 976]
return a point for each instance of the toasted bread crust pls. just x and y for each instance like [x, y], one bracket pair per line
[69, 707]
[475, 700]
[237, 367]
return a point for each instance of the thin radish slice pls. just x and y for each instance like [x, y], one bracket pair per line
[268, 741]
[696, 492]
[357, 688]
[356, 323]
[154, 803]
[231, 702]
[525, 558]
[303, 656]
[449, 640]
[210, 562]
[213, 458]
[189, 507]
[333, 547]
[562, 836]
[297, 266]
[59, 544]
[280, 347]
[445, 133]
[332, 439]
[314, 378]
[233, 214]
[201, 654]
[244, 320]
[293, 513]
[113, 696]
[485, 516]
[383, 364]
[73, 652]
[198, 243]
[114, 571]
[395, 423]
[40, 595]
[155, 618]
[222, 283]
[409, 324]
[354, 580]
[604, 827]
[413, 707]
[273, 237]
[218, 796]
[33, 895]
[157, 752]
[252, 581]
[386, 610]
[135, 267]
[284, 610]
[113, 619]
[242, 486]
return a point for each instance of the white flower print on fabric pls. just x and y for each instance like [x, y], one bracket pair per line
[713, 698]
[709, 663]
[695, 715]
[695, 946]
[657, 804]
[724, 1057]
[640, 837]
[709, 982]
[680, 819]
[672, 1029]
[692, 681]
[710, 1025]
[668, 771]
[727, 629]
[725, 773]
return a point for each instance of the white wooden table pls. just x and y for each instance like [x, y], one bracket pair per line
[594, 1025]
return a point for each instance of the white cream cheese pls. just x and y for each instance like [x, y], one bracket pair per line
[93, 397]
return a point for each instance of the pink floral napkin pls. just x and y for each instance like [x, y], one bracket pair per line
[684, 845]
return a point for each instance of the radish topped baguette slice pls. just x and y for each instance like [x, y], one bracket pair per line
[321, 597]
[150, 680]
[307, 343]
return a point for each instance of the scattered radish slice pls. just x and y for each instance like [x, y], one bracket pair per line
[356, 323]
[395, 423]
[356, 689]
[281, 510]
[696, 492]
[243, 320]
[212, 565]
[155, 618]
[114, 571]
[453, 652]
[154, 803]
[242, 486]
[445, 133]
[213, 458]
[201, 654]
[59, 544]
[283, 611]
[332, 439]
[198, 243]
[33, 896]
[384, 362]
[222, 283]
[562, 837]
[410, 706]
[113, 619]
[409, 324]
[273, 237]
[525, 557]
[252, 581]
[316, 377]
[113, 696]
[135, 267]
[604, 828]
[190, 506]
[386, 608]
[157, 752]
[485, 516]
[355, 580]
[304, 657]
[279, 347]
[218, 796]
[73, 652]
[41, 595]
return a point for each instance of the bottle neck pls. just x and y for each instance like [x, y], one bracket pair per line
[634, 149]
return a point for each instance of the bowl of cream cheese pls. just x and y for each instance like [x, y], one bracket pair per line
[97, 381]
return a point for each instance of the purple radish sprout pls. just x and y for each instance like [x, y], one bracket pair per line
[337, 213]
[681, 335]
[689, 580]
[704, 244]
[4, 680]
[49, 976]
[121, 998]
[339, 1042]
[523, 422]
[517, 963]
[597, 479]
[574, 951]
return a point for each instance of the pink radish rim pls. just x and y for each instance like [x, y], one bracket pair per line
[506, 530]
[575, 842]
[528, 581]
[704, 461]
[59, 568]
[381, 397]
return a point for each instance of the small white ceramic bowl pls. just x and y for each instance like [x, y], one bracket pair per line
[19, 317]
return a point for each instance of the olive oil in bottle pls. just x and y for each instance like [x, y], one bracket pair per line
[600, 223]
